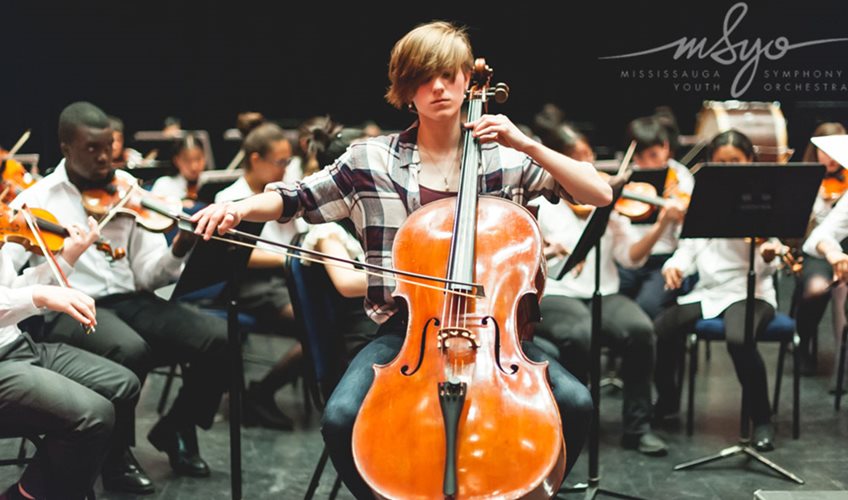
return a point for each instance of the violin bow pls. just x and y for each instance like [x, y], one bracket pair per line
[18, 145]
[51, 259]
[297, 252]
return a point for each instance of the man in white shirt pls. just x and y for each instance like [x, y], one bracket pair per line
[137, 329]
[646, 285]
[69, 396]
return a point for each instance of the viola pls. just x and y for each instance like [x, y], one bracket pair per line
[15, 177]
[834, 186]
[461, 412]
[125, 197]
[637, 202]
[14, 229]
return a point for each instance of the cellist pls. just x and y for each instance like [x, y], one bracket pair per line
[378, 183]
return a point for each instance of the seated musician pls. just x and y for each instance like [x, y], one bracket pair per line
[816, 273]
[262, 288]
[135, 327]
[68, 395]
[379, 182]
[645, 285]
[566, 316]
[722, 266]
[122, 156]
[189, 158]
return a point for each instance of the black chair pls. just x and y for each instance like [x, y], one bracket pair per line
[22, 458]
[315, 302]
[781, 329]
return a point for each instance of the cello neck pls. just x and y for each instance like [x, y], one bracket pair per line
[461, 262]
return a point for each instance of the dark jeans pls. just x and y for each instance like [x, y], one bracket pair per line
[675, 323]
[567, 322]
[71, 397]
[142, 331]
[646, 285]
[573, 400]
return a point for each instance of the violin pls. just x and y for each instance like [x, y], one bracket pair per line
[14, 229]
[637, 202]
[461, 412]
[15, 177]
[834, 186]
[126, 197]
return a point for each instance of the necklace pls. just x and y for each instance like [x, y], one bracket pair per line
[438, 165]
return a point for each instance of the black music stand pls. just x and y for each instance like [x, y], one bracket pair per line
[591, 238]
[751, 200]
[210, 263]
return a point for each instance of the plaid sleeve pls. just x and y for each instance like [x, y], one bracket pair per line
[539, 182]
[324, 196]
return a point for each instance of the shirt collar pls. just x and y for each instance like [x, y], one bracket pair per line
[408, 146]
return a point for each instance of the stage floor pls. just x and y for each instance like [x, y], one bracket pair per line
[279, 464]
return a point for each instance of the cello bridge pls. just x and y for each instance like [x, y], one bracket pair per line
[447, 334]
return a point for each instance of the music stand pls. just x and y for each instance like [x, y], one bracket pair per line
[751, 200]
[591, 238]
[212, 262]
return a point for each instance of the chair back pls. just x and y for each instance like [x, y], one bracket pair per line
[315, 301]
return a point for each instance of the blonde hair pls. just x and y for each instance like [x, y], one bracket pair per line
[424, 52]
[826, 128]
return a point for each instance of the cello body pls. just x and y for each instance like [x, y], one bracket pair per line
[508, 438]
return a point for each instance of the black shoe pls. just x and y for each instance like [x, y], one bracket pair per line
[763, 437]
[261, 409]
[122, 472]
[648, 444]
[181, 447]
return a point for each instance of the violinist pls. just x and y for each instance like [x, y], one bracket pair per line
[722, 265]
[135, 328]
[68, 395]
[566, 315]
[262, 289]
[817, 273]
[122, 156]
[645, 285]
[189, 158]
[379, 182]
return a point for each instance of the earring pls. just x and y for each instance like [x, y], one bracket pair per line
[411, 108]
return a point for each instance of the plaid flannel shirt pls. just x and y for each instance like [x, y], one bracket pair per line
[375, 184]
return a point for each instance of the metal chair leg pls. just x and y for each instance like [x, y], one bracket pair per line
[22, 451]
[796, 388]
[166, 391]
[693, 369]
[316, 474]
[778, 379]
[336, 486]
[840, 369]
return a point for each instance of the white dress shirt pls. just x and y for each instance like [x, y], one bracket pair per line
[560, 225]
[16, 293]
[833, 228]
[273, 230]
[149, 263]
[172, 186]
[669, 239]
[722, 267]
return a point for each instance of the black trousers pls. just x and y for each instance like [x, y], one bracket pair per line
[572, 398]
[141, 331]
[675, 323]
[646, 285]
[567, 322]
[71, 397]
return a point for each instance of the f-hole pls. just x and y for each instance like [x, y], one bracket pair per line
[513, 368]
[404, 370]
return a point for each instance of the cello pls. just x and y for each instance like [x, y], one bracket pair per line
[461, 412]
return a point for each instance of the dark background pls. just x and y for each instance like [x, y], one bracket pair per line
[205, 62]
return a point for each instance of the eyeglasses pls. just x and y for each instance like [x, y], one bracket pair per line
[282, 162]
